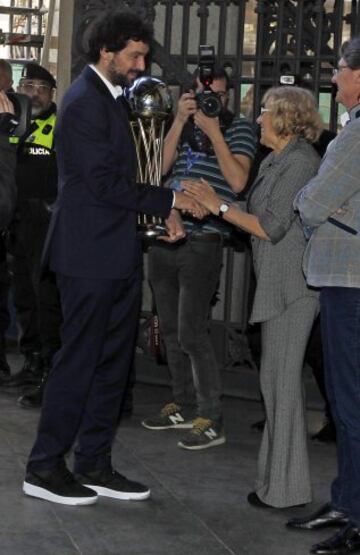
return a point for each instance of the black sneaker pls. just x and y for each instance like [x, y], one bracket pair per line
[33, 398]
[109, 483]
[5, 372]
[31, 372]
[205, 433]
[58, 486]
[327, 434]
[170, 417]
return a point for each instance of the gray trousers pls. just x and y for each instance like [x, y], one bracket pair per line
[283, 466]
[184, 280]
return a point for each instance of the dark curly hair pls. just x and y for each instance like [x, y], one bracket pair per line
[113, 30]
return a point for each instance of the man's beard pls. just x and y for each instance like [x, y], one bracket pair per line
[119, 79]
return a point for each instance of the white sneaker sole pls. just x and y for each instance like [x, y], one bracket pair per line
[184, 426]
[42, 493]
[213, 443]
[124, 495]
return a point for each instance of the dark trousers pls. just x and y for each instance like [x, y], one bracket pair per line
[4, 290]
[85, 387]
[36, 295]
[314, 357]
[340, 326]
[184, 280]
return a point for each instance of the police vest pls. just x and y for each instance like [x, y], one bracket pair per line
[36, 170]
[41, 136]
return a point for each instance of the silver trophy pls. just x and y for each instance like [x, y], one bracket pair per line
[150, 103]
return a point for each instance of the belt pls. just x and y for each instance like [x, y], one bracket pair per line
[206, 237]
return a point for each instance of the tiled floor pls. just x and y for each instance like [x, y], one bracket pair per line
[198, 504]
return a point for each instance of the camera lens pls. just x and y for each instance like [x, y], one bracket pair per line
[210, 104]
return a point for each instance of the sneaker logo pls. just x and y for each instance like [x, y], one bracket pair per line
[211, 433]
[176, 418]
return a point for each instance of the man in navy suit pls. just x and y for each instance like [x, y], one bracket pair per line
[94, 250]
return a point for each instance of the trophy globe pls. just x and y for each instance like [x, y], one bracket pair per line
[149, 98]
[150, 104]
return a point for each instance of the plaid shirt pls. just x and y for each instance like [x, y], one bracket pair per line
[332, 257]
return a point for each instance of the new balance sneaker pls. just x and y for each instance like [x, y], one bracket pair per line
[58, 486]
[205, 433]
[170, 417]
[109, 483]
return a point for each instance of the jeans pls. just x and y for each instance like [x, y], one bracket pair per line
[184, 279]
[340, 326]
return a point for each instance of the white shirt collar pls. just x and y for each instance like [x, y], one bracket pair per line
[115, 90]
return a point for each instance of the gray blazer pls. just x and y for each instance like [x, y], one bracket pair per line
[332, 257]
[278, 263]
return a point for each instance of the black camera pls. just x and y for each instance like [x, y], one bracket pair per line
[208, 101]
[16, 124]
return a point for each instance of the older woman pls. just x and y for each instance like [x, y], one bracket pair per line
[283, 303]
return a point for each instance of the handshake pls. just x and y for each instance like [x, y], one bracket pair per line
[189, 205]
[186, 203]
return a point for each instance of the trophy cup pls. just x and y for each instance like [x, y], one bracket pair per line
[150, 103]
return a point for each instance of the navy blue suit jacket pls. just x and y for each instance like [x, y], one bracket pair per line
[93, 229]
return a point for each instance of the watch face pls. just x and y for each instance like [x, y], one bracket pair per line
[223, 209]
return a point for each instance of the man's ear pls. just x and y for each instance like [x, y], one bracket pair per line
[106, 54]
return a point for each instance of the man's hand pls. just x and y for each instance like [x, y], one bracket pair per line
[203, 193]
[186, 106]
[174, 228]
[186, 204]
[6, 106]
[209, 126]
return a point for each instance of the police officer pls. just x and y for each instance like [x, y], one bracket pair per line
[36, 297]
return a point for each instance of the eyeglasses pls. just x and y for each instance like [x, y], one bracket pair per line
[263, 110]
[337, 70]
[31, 88]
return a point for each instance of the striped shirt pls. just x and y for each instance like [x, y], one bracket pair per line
[240, 138]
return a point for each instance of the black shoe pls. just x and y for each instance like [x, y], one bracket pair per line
[33, 398]
[5, 372]
[31, 372]
[345, 541]
[258, 426]
[327, 434]
[324, 517]
[255, 501]
[58, 486]
[109, 483]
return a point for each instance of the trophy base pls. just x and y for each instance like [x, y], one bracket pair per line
[151, 231]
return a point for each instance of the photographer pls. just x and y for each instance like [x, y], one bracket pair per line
[184, 277]
[36, 297]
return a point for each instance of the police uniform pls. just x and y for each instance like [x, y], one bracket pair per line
[36, 296]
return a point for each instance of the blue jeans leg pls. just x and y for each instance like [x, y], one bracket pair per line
[340, 324]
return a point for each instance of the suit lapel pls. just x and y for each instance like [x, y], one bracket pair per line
[118, 107]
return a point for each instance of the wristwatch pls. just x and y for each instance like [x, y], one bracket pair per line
[224, 207]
